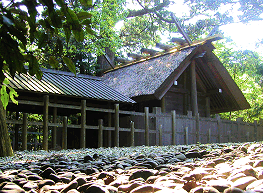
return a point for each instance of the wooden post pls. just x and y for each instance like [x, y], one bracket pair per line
[186, 136]
[54, 130]
[132, 133]
[100, 133]
[65, 133]
[24, 132]
[256, 138]
[174, 127]
[209, 135]
[160, 135]
[207, 106]
[247, 136]
[218, 127]
[16, 133]
[239, 120]
[194, 100]
[83, 125]
[146, 121]
[117, 126]
[109, 132]
[229, 135]
[157, 110]
[45, 123]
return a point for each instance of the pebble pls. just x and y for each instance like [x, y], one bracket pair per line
[213, 168]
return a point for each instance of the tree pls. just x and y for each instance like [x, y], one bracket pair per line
[245, 67]
[25, 33]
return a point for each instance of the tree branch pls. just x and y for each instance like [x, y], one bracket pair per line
[141, 12]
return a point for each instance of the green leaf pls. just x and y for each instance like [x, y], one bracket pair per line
[34, 67]
[53, 62]
[4, 96]
[42, 40]
[90, 31]
[70, 64]
[86, 22]
[55, 19]
[12, 95]
[79, 35]
[86, 3]
[84, 15]
[67, 32]
[71, 17]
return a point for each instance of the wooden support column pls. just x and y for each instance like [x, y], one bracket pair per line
[54, 129]
[207, 107]
[194, 100]
[160, 135]
[156, 110]
[45, 123]
[83, 124]
[65, 133]
[117, 126]
[100, 133]
[146, 121]
[218, 127]
[132, 133]
[239, 120]
[24, 132]
[109, 132]
[186, 136]
[16, 132]
[173, 127]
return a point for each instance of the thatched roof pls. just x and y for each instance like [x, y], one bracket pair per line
[146, 77]
[154, 76]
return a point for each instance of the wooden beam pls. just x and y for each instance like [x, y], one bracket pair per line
[16, 132]
[163, 104]
[194, 99]
[100, 133]
[109, 132]
[24, 132]
[146, 121]
[83, 124]
[45, 122]
[132, 133]
[173, 127]
[117, 126]
[180, 29]
[65, 133]
[54, 130]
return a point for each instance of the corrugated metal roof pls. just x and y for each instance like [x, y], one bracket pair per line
[65, 83]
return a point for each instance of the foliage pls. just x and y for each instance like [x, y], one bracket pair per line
[245, 67]
[23, 34]
[5, 96]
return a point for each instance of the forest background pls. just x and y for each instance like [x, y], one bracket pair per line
[73, 35]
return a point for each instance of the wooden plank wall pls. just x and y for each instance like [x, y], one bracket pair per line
[145, 128]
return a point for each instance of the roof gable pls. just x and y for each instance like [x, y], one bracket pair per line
[144, 78]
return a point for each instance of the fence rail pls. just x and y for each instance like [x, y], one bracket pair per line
[146, 128]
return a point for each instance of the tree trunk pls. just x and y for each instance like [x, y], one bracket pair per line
[5, 143]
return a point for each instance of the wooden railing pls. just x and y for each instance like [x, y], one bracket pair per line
[167, 128]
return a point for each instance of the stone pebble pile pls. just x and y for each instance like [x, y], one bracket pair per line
[212, 168]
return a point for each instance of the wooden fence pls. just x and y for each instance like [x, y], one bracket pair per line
[140, 128]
